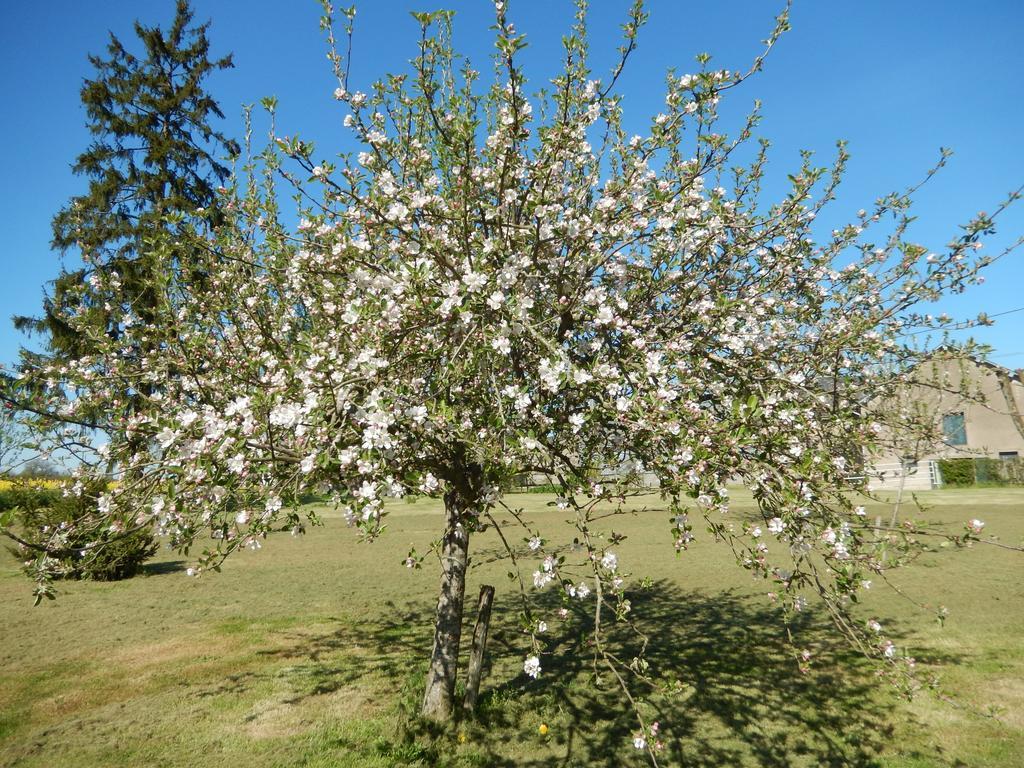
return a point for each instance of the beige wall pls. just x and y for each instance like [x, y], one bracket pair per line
[993, 423]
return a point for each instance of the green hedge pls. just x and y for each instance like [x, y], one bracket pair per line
[1012, 471]
[957, 472]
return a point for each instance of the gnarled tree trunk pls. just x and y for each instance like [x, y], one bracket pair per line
[439, 698]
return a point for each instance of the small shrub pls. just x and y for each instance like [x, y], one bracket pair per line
[40, 510]
[957, 472]
[313, 497]
[543, 489]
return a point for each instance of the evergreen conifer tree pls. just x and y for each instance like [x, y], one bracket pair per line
[153, 168]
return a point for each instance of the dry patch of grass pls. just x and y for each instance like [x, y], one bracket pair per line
[282, 716]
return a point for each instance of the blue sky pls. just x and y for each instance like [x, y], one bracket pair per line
[896, 79]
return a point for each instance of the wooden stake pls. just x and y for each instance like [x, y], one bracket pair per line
[476, 654]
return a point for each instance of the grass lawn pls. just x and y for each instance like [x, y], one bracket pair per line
[311, 653]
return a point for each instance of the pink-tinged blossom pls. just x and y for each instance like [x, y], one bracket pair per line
[286, 415]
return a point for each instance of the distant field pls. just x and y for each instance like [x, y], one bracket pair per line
[6, 485]
[310, 653]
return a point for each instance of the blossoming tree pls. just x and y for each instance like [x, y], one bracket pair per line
[503, 283]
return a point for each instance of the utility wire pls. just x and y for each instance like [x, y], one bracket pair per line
[1007, 312]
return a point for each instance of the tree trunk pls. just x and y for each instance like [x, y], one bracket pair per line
[476, 654]
[438, 700]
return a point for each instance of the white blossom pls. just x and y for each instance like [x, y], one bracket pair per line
[532, 667]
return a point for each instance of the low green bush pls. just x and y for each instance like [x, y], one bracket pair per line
[957, 472]
[38, 511]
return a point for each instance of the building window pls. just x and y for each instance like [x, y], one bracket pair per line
[1008, 455]
[954, 429]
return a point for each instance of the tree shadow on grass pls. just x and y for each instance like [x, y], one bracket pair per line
[736, 698]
